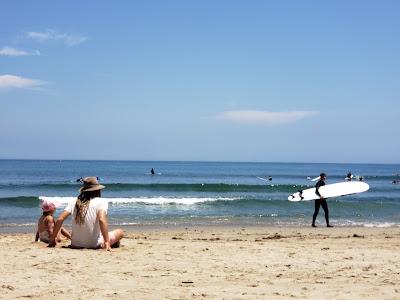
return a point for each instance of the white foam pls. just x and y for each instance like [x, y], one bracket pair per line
[381, 225]
[376, 224]
[60, 200]
[127, 223]
[146, 200]
[18, 225]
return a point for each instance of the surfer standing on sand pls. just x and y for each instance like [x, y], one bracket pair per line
[321, 201]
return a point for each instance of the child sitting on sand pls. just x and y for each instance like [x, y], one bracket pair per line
[46, 223]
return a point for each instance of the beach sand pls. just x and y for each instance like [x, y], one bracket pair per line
[210, 263]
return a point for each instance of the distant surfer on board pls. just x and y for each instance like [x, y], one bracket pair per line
[349, 176]
[321, 202]
[152, 171]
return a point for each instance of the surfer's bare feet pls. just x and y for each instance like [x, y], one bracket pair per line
[329, 225]
[313, 225]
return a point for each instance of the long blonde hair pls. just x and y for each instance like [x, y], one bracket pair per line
[82, 205]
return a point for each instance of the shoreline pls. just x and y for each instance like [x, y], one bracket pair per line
[210, 263]
[26, 229]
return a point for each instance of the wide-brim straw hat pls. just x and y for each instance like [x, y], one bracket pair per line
[91, 184]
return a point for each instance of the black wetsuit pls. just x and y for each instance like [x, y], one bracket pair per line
[320, 202]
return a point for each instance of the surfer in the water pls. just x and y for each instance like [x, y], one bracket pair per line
[321, 201]
[152, 171]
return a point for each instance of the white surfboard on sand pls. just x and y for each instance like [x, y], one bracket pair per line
[330, 190]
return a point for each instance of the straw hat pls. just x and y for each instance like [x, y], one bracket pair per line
[91, 184]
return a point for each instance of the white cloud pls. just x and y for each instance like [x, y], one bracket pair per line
[52, 35]
[9, 51]
[264, 117]
[11, 81]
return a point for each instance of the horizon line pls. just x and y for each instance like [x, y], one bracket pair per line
[201, 161]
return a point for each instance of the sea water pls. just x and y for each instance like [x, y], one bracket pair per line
[199, 193]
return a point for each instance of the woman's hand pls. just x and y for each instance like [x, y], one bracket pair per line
[107, 246]
[52, 244]
[103, 222]
[57, 228]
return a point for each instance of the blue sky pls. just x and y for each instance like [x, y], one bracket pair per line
[279, 81]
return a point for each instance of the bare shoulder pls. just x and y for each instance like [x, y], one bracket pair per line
[49, 219]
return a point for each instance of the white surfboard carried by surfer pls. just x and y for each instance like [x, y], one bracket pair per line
[330, 190]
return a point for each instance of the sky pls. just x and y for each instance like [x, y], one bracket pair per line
[270, 81]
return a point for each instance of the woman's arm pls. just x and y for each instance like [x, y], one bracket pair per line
[317, 186]
[103, 222]
[65, 214]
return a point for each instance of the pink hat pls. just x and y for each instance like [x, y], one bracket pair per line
[48, 205]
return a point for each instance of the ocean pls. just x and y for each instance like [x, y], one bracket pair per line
[182, 193]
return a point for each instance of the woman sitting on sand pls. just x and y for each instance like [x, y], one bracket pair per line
[89, 224]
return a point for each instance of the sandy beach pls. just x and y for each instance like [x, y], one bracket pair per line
[210, 263]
